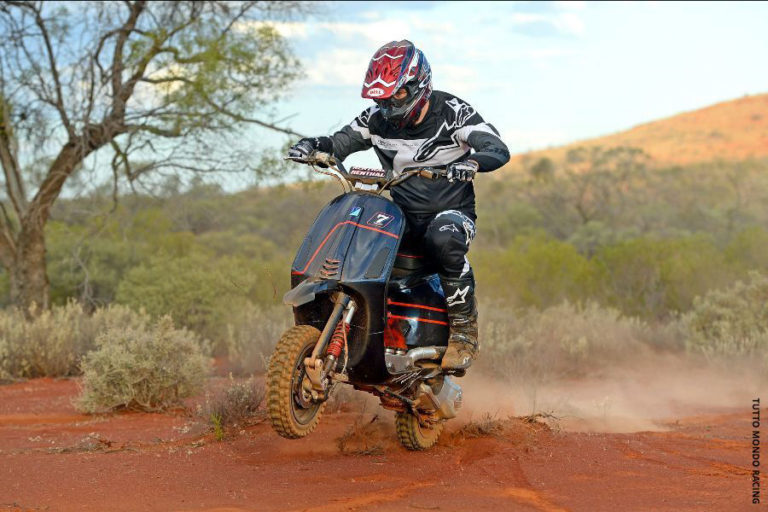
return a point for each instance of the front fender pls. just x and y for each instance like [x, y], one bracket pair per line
[306, 291]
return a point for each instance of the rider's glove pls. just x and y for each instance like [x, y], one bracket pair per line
[300, 151]
[462, 171]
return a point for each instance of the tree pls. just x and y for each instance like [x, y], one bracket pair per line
[593, 184]
[169, 84]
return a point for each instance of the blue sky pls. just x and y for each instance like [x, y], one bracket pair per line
[544, 73]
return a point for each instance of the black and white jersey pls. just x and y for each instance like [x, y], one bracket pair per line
[450, 131]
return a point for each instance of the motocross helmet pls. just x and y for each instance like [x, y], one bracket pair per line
[398, 65]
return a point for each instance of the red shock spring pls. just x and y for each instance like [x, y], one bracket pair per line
[337, 340]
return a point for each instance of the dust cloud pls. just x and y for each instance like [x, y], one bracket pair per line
[646, 395]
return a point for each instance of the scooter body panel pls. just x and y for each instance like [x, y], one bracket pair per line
[353, 241]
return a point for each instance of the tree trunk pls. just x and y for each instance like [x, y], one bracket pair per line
[28, 276]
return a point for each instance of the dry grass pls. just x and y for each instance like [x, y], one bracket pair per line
[238, 405]
[363, 437]
[486, 426]
[562, 341]
[252, 333]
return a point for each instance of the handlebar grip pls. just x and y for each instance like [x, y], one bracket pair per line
[324, 158]
[430, 175]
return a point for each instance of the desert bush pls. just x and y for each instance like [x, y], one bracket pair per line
[238, 403]
[731, 322]
[560, 341]
[252, 332]
[145, 368]
[53, 341]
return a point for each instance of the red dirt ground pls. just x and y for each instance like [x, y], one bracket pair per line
[52, 458]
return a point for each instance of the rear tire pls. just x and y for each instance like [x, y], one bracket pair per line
[412, 435]
[291, 410]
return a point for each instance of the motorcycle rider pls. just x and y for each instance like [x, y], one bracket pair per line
[412, 125]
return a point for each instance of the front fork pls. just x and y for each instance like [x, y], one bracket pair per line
[319, 364]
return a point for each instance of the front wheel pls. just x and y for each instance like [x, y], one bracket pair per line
[412, 435]
[291, 409]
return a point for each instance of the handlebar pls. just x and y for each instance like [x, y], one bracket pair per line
[333, 167]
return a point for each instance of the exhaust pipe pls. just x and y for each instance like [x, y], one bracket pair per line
[402, 363]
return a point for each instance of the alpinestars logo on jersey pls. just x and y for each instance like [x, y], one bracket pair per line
[364, 118]
[432, 146]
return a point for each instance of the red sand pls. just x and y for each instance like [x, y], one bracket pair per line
[52, 458]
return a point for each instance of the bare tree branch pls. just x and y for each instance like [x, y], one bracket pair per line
[54, 69]
[14, 185]
[118, 64]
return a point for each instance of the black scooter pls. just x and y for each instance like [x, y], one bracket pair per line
[365, 315]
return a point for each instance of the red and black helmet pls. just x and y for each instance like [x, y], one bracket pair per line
[397, 65]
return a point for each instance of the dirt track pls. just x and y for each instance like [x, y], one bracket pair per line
[51, 458]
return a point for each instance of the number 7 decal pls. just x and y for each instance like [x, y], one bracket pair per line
[380, 219]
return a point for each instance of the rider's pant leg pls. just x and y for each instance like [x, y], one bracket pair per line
[446, 242]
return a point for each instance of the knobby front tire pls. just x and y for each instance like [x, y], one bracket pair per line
[291, 410]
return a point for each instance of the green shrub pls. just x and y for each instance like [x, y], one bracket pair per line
[654, 278]
[535, 271]
[731, 322]
[144, 368]
[748, 250]
[52, 343]
[199, 291]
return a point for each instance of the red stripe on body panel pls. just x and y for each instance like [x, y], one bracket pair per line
[427, 320]
[387, 233]
[404, 304]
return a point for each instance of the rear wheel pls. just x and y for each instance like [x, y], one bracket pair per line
[414, 436]
[291, 409]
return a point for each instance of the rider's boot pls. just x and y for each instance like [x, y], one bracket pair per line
[462, 317]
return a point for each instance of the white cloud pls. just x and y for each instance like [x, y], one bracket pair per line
[338, 67]
[371, 15]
